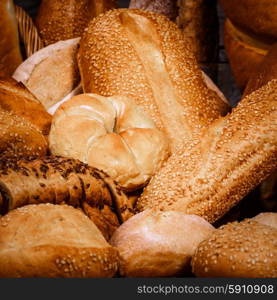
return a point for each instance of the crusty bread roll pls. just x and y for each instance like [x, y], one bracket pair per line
[156, 244]
[144, 56]
[264, 72]
[244, 52]
[59, 20]
[53, 241]
[10, 56]
[19, 137]
[51, 73]
[16, 98]
[163, 7]
[236, 153]
[258, 17]
[247, 249]
[112, 134]
[60, 180]
[268, 218]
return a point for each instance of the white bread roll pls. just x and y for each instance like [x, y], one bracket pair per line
[53, 241]
[112, 134]
[156, 244]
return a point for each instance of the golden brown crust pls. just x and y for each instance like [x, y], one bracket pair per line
[156, 244]
[258, 17]
[160, 73]
[15, 97]
[265, 71]
[19, 137]
[53, 241]
[59, 180]
[63, 19]
[111, 134]
[10, 56]
[244, 53]
[246, 249]
[235, 154]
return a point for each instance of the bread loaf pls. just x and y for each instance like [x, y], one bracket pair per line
[255, 17]
[10, 56]
[236, 153]
[53, 241]
[111, 134]
[51, 73]
[264, 72]
[159, 244]
[59, 20]
[247, 249]
[59, 180]
[244, 52]
[144, 56]
[19, 137]
[16, 98]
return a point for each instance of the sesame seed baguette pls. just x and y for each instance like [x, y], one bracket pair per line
[59, 20]
[48, 240]
[59, 180]
[246, 249]
[144, 56]
[235, 154]
[19, 137]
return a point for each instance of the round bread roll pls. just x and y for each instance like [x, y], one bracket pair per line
[269, 219]
[255, 16]
[51, 73]
[264, 72]
[19, 137]
[48, 240]
[157, 244]
[246, 249]
[112, 134]
[144, 56]
[66, 19]
[244, 52]
[16, 98]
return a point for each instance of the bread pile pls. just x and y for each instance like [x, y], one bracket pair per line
[129, 177]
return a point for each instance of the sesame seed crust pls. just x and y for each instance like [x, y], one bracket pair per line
[234, 155]
[246, 249]
[53, 241]
[144, 56]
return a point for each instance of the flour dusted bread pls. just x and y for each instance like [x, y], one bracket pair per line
[51, 73]
[236, 153]
[155, 243]
[53, 241]
[246, 249]
[144, 56]
[16, 98]
[112, 134]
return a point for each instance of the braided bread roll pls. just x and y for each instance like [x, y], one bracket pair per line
[144, 56]
[59, 180]
[111, 134]
[236, 153]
